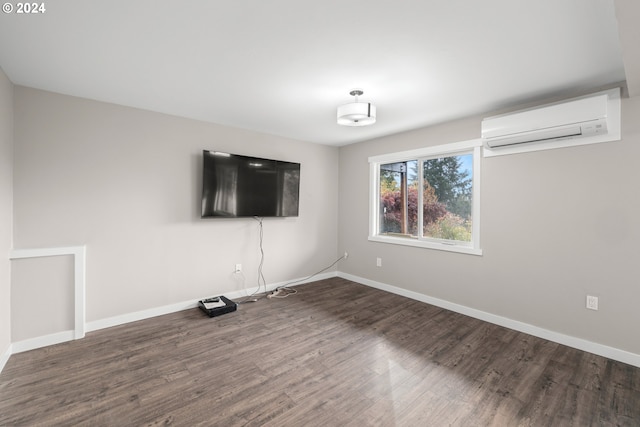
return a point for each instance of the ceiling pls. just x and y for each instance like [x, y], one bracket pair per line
[283, 66]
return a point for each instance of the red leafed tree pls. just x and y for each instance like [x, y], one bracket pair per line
[392, 209]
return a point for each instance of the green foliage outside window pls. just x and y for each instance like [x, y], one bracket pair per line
[447, 198]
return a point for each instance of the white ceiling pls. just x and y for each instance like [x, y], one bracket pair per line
[283, 66]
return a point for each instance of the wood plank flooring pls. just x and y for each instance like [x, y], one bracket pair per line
[335, 354]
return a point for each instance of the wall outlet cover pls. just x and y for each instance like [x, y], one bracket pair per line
[592, 302]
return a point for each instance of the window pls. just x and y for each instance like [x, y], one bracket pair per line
[428, 198]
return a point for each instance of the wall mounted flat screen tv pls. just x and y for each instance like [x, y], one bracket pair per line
[241, 186]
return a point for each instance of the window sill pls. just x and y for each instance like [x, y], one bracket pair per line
[407, 241]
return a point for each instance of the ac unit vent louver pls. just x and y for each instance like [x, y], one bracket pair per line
[584, 117]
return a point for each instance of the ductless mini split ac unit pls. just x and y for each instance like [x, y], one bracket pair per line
[585, 120]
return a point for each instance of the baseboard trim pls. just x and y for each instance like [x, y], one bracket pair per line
[60, 337]
[139, 315]
[574, 342]
[42, 341]
[289, 283]
[185, 305]
[4, 358]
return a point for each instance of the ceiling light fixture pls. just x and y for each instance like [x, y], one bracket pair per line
[357, 113]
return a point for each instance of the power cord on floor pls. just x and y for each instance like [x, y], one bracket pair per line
[284, 290]
[281, 291]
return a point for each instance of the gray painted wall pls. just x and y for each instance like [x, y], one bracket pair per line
[555, 226]
[6, 208]
[126, 183]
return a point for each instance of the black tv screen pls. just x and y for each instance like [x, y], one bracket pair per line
[241, 186]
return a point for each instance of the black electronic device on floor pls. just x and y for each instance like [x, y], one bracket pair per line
[217, 306]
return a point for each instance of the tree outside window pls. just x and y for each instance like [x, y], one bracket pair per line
[428, 197]
[448, 197]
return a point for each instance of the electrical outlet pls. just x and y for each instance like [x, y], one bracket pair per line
[238, 268]
[346, 255]
[378, 262]
[592, 302]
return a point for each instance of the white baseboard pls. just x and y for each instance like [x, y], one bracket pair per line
[288, 283]
[4, 358]
[172, 308]
[42, 341]
[57, 338]
[579, 343]
[139, 315]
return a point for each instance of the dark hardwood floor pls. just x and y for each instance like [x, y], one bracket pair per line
[335, 354]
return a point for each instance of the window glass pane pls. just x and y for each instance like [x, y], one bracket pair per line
[399, 198]
[447, 197]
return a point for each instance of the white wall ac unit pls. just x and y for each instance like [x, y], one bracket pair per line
[594, 118]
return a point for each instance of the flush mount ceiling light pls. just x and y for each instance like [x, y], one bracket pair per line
[357, 113]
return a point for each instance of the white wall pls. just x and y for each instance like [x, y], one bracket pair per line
[126, 183]
[555, 226]
[6, 211]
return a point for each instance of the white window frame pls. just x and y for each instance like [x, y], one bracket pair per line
[473, 147]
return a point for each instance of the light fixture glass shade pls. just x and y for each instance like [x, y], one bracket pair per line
[357, 114]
